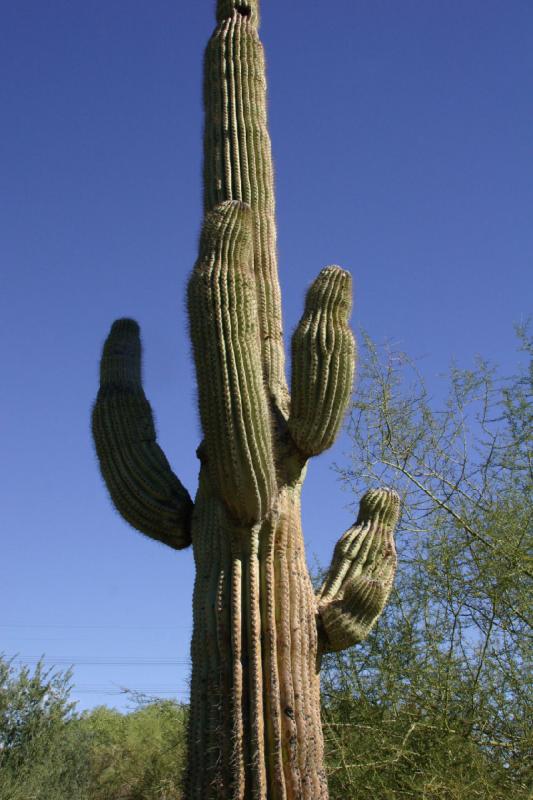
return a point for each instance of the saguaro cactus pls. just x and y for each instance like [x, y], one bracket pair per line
[259, 628]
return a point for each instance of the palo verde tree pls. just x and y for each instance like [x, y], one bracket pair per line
[437, 702]
[259, 628]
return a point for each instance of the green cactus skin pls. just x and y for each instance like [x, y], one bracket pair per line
[361, 574]
[238, 161]
[227, 349]
[141, 484]
[323, 362]
[259, 629]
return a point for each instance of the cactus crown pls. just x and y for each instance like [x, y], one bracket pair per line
[247, 8]
[382, 503]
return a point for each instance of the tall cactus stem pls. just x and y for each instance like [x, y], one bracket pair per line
[238, 162]
[259, 630]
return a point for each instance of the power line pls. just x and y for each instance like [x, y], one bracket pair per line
[82, 689]
[99, 627]
[117, 661]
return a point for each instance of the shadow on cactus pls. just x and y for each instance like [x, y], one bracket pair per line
[259, 628]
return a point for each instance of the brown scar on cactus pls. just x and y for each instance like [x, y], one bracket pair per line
[259, 629]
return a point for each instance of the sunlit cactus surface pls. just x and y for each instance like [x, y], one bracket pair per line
[259, 627]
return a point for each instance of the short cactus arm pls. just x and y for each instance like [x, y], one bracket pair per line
[323, 362]
[139, 478]
[361, 574]
[224, 328]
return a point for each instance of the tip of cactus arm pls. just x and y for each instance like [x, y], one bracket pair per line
[125, 325]
[333, 270]
[121, 355]
[332, 287]
[382, 502]
[221, 212]
[336, 276]
[232, 219]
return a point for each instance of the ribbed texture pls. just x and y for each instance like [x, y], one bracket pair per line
[361, 574]
[247, 8]
[238, 166]
[255, 727]
[323, 363]
[140, 481]
[225, 335]
[254, 722]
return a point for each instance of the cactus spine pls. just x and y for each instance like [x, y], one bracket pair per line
[259, 629]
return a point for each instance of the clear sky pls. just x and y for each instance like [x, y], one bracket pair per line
[403, 143]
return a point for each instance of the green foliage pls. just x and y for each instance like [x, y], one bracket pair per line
[435, 703]
[41, 747]
[48, 752]
[139, 756]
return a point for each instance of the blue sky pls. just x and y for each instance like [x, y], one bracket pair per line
[402, 139]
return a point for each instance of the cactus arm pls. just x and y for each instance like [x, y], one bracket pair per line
[226, 346]
[140, 481]
[323, 362]
[361, 574]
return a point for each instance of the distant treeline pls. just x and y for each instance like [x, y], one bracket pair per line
[378, 743]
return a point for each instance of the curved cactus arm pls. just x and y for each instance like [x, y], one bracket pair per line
[227, 352]
[138, 476]
[323, 363]
[361, 574]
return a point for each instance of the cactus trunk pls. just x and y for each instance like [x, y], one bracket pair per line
[255, 716]
[259, 629]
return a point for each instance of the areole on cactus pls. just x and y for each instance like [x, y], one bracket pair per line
[259, 628]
